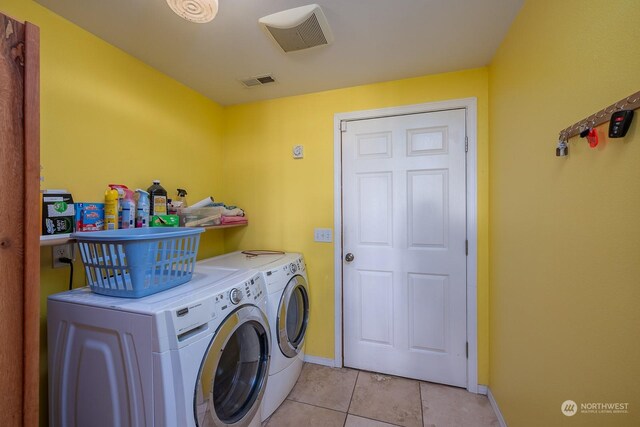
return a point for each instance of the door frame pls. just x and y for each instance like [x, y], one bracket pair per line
[471, 124]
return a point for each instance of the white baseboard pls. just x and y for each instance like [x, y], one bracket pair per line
[482, 389]
[496, 409]
[320, 361]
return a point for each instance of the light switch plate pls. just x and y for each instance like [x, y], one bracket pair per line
[323, 235]
[298, 151]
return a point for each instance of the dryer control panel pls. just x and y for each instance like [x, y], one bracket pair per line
[295, 267]
[278, 277]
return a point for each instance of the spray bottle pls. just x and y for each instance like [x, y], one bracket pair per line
[182, 197]
[142, 213]
[111, 209]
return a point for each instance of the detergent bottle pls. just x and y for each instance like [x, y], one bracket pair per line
[126, 206]
[142, 213]
[111, 209]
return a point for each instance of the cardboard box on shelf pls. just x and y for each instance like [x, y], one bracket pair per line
[58, 212]
[165, 221]
[89, 216]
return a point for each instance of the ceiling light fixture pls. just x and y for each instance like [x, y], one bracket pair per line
[198, 11]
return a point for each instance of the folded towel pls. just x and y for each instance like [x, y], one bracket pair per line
[234, 220]
[233, 212]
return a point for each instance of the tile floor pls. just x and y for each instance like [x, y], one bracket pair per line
[330, 397]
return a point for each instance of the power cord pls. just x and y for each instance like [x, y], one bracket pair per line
[69, 261]
[258, 252]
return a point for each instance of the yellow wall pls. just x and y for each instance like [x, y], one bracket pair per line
[288, 198]
[565, 232]
[107, 117]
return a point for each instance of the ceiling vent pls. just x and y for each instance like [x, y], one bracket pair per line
[299, 28]
[258, 81]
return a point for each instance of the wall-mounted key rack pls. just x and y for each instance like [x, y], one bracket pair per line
[631, 102]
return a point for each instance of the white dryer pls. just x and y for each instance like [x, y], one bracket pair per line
[285, 275]
[194, 355]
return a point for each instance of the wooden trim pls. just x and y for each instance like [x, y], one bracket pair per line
[11, 227]
[31, 392]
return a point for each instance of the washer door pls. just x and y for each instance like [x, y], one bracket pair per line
[233, 371]
[293, 316]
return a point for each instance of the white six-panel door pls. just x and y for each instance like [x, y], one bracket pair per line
[404, 221]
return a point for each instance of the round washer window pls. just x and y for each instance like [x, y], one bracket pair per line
[231, 378]
[296, 312]
[293, 316]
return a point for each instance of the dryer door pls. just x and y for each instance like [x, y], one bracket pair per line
[293, 316]
[232, 375]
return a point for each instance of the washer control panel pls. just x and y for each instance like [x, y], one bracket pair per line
[235, 296]
[246, 292]
[192, 318]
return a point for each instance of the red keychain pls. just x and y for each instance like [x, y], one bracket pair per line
[592, 137]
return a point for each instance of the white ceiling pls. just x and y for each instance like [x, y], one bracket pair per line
[375, 40]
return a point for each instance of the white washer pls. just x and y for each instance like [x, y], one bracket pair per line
[285, 275]
[194, 355]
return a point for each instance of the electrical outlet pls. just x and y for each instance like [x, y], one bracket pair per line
[61, 251]
[322, 235]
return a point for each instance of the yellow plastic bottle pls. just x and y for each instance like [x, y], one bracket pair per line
[111, 209]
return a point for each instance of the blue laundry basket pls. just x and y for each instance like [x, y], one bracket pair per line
[136, 262]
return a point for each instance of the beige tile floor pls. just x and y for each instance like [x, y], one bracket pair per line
[330, 397]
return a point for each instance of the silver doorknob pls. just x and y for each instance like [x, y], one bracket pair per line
[349, 257]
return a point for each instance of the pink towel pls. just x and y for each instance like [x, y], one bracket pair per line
[234, 220]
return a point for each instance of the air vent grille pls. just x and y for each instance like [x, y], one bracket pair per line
[266, 79]
[306, 35]
[258, 80]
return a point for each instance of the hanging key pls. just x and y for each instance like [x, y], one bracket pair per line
[562, 149]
